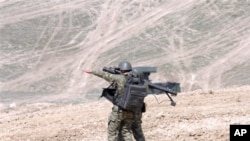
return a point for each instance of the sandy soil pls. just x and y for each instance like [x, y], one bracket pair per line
[198, 115]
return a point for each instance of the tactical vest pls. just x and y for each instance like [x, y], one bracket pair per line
[133, 97]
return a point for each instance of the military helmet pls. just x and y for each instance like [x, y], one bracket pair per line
[137, 73]
[125, 65]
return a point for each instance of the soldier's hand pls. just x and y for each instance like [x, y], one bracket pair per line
[87, 71]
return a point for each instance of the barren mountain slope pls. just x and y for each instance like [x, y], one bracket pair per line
[199, 115]
[44, 45]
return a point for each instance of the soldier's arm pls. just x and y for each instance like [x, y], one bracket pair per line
[107, 76]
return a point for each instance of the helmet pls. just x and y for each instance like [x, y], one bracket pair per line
[137, 73]
[125, 65]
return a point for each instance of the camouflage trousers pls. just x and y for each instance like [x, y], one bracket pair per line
[122, 124]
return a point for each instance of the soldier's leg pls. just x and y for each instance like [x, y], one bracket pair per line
[125, 132]
[113, 126]
[137, 129]
[120, 138]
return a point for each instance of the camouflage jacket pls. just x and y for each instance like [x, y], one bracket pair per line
[120, 80]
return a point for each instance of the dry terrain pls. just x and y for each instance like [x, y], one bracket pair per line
[199, 115]
[45, 45]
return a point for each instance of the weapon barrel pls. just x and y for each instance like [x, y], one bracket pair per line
[111, 70]
[167, 90]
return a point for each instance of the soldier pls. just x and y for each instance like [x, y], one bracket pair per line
[136, 125]
[121, 120]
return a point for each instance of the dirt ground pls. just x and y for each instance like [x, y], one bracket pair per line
[199, 115]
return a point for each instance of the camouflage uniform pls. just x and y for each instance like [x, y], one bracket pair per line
[121, 120]
[137, 129]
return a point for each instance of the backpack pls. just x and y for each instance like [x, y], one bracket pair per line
[133, 97]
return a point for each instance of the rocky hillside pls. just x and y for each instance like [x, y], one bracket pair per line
[44, 45]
